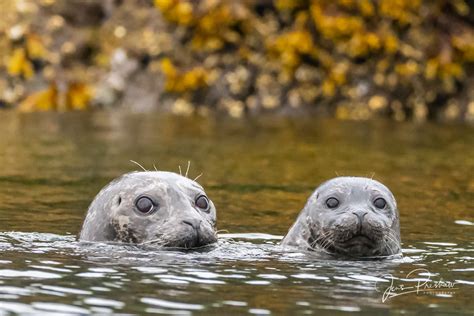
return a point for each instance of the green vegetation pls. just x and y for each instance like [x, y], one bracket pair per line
[353, 59]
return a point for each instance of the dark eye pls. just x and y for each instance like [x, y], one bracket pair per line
[380, 203]
[202, 202]
[332, 202]
[144, 205]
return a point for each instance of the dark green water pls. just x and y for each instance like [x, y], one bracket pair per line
[259, 174]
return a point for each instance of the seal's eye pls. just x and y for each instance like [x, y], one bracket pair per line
[380, 203]
[202, 202]
[144, 205]
[332, 202]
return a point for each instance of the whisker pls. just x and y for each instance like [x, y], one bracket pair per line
[155, 167]
[222, 231]
[391, 237]
[187, 169]
[180, 173]
[323, 240]
[133, 161]
[198, 176]
[157, 241]
[324, 244]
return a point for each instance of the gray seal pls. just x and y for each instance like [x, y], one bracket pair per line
[152, 208]
[350, 217]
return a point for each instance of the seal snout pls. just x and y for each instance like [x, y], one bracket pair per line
[201, 235]
[360, 217]
[196, 226]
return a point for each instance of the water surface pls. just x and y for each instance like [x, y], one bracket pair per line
[259, 174]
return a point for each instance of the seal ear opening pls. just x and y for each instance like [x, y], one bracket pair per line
[119, 200]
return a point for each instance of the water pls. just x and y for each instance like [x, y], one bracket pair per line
[259, 174]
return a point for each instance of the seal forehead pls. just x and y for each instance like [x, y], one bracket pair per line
[353, 185]
[136, 179]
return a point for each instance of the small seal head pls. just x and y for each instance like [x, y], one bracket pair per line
[350, 217]
[153, 208]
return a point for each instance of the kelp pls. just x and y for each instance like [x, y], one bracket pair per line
[352, 59]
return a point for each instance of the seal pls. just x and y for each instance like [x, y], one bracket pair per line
[153, 208]
[348, 217]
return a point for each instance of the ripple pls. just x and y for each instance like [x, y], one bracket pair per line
[189, 279]
[91, 275]
[173, 281]
[171, 304]
[103, 270]
[58, 307]
[104, 302]
[440, 243]
[463, 222]
[369, 278]
[309, 276]
[272, 276]
[204, 274]
[14, 290]
[465, 282]
[342, 308]
[412, 250]
[235, 303]
[258, 282]
[17, 308]
[33, 274]
[65, 290]
[51, 268]
[153, 270]
[259, 311]
[168, 311]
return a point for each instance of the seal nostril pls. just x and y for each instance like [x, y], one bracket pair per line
[360, 217]
[194, 223]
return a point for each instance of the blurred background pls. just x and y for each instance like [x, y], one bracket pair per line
[349, 59]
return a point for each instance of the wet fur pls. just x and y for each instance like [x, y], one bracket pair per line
[112, 215]
[339, 232]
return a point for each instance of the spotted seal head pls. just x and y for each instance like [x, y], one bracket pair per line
[348, 217]
[154, 208]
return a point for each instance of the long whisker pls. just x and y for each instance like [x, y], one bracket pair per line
[187, 169]
[180, 173]
[133, 161]
[155, 167]
[222, 231]
[393, 239]
[157, 241]
[389, 248]
[323, 240]
[198, 176]
[327, 241]
[324, 244]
